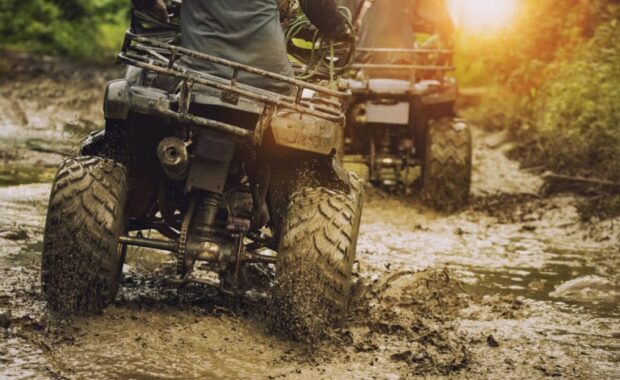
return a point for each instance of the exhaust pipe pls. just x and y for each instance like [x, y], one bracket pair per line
[174, 159]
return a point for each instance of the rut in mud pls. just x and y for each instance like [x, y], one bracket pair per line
[515, 285]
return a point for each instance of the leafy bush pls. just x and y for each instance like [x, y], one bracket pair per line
[563, 93]
[63, 27]
[502, 110]
[545, 32]
[579, 113]
[564, 103]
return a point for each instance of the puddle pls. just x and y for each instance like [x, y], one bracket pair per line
[213, 347]
[11, 175]
[23, 220]
[19, 359]
[542, 285]
[529, 259]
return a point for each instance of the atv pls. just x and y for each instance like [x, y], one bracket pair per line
[226, 177]
[402, 128]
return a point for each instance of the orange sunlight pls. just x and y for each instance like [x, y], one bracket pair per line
[482, 15]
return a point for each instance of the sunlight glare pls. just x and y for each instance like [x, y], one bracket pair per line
[482, 15]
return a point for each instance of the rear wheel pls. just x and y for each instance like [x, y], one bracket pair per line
[446, 180]
[81, 262]
[316, 252]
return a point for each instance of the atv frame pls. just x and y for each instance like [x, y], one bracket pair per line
[223, 171]
[277, 116]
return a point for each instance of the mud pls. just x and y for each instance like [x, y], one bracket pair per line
[514, 286]
[48, 105]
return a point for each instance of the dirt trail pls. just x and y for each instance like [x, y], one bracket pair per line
[48, 105]
[515, 286]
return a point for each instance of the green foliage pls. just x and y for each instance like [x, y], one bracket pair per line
[547, 31]
[64, 27]
[578, 115]
[519, 57]
[470, 60]
[500, 110]
[558, 86]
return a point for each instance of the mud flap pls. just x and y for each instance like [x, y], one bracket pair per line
[94, 144]
[340, 174]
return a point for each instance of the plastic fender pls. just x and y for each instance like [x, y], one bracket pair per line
[307, 133]
[116, 103]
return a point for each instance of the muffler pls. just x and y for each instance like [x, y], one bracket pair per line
[174, 159]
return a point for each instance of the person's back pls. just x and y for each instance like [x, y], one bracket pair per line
[247, 32]
[244, 31]
[387, 24]
[392, 24]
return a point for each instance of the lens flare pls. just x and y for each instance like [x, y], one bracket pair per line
[482, 15]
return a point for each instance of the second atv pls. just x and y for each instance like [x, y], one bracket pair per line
[402, 128]
[405, 131]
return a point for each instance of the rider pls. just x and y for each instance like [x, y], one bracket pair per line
[393, 24]
[247, 32]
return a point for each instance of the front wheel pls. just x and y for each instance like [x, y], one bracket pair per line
[315, 258]
[446, 177]
[81, 261]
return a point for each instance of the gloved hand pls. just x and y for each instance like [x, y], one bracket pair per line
[344, 34]
[324, 14]
[160, 10]
[156, 8]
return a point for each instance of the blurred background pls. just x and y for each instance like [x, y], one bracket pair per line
[547, 71]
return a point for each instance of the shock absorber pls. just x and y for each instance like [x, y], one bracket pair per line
[206, 214]
[198, 224]
[388, 163]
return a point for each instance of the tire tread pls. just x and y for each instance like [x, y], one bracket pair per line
[80, 262]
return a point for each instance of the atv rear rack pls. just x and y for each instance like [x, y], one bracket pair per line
[163, 58]
[412, 54]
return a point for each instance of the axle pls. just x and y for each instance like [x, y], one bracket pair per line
[206, 251]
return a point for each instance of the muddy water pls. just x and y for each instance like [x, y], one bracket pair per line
[528, 258]
[532, 293]
[514, 286]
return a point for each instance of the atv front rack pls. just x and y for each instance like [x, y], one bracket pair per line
[164, 59]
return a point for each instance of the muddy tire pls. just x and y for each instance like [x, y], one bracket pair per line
[315, 259]
[81, 261]
[446, 178]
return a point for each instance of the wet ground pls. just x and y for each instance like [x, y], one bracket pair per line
[515, 286]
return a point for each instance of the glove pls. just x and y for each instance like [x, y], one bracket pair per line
[160, 10]
[326, 17]
[154, 8]
[344, 34]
